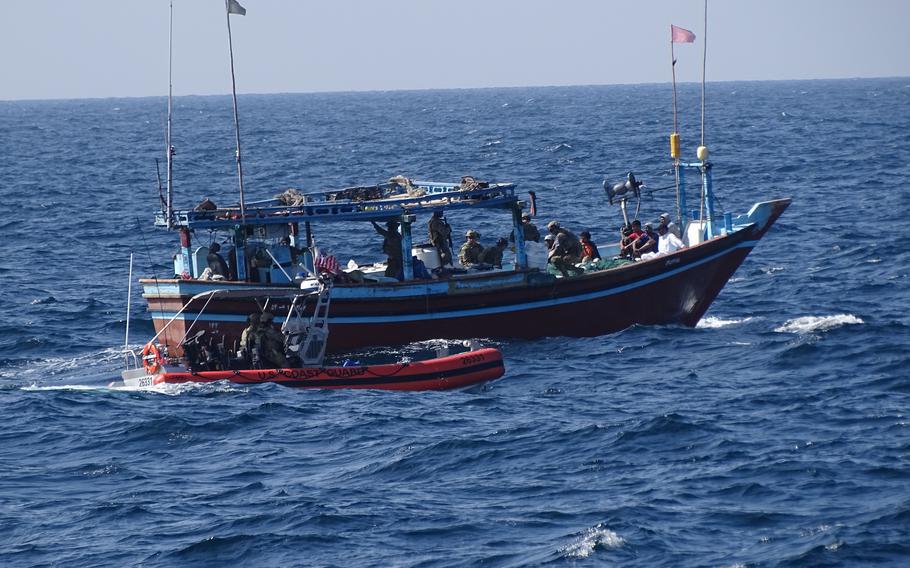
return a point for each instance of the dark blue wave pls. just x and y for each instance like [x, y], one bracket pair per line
[774, 434]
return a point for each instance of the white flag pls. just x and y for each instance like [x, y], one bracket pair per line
[234, 7]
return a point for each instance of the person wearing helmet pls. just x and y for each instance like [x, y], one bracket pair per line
[391, 246]
[571, 243]
[549, 240]
[528, 229]
[470, 252]
[441, 237]
[561, 257]
[272, 342]
[251, 342]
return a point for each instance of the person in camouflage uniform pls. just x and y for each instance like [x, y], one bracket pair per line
[391, 246]
[493, 255]
[571, 243]
[441, 237]
[470, 252]
[251, 342]
[272, 342]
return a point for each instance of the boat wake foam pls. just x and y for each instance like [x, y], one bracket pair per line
[717, 323]
[37, 387]
[165, 389]
[809, 324]
[92, 363]
[593, 538]
[170, 389]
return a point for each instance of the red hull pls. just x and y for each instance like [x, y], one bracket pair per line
[452, 372]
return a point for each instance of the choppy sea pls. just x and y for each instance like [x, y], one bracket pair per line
[775, 433]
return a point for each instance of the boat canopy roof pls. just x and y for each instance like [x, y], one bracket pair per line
[381, 202]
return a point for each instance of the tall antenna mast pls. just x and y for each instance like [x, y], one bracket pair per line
[129, 301]
[234, 7]
[704, 60]
[678, 35]
[170, 94]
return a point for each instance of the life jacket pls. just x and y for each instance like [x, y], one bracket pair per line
[589, 249]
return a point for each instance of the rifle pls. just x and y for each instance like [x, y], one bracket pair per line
[449, 239]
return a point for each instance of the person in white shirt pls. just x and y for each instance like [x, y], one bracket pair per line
[671, 226]
[667, 242]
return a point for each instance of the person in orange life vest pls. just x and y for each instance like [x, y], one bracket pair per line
[588, 248]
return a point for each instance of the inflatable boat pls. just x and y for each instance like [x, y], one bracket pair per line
[441, 373]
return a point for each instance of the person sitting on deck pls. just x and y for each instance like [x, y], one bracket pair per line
[391, 246]
[216, 262]
[493, 255]
[562, 257]
[441, 237]
[667, 242]
[272, 343]
[470, 252]
[630, 235]
[589, 249]
[646, 243]
[671, 226]
[419, 269]
[572, 243]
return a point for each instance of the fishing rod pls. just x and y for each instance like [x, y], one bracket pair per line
[170, 148]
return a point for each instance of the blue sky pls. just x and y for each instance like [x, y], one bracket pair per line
[105, 48]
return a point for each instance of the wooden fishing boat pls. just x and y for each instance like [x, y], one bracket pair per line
[518, 301]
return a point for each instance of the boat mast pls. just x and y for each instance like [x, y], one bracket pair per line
[674, 146]
[170, 94]
[129, 298]
[234, 7]
[707, 193]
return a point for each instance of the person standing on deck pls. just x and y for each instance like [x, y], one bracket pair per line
[272, 342]
[251, 342]
[391, 246]
[470, 252]
[441, 237]
[530, 230]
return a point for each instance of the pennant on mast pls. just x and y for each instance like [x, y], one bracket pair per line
[234, 7]
[677, 34]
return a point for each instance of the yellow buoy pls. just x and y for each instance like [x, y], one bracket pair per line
[674, 145]
[702, 153]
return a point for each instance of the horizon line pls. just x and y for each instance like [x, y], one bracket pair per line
[432, 89]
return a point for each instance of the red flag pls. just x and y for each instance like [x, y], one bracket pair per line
[680, 35]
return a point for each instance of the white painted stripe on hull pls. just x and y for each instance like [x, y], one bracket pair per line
[340, 320]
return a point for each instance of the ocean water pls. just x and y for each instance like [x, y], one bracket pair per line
[775, 433]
